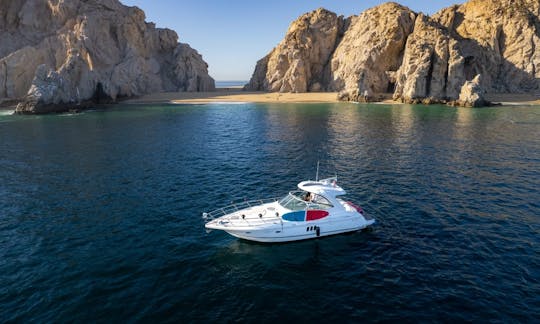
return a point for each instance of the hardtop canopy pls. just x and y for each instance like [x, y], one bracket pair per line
[327, 187]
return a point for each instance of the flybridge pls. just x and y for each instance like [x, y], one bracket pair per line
[328, 186]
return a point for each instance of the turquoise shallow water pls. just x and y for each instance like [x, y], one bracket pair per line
[100, 214]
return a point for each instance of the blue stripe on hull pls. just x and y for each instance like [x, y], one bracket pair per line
[297, 216]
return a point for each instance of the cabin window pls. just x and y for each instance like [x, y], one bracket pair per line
[319, 202]
[299, 200]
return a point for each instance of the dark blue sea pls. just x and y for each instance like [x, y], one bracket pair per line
[100, 214]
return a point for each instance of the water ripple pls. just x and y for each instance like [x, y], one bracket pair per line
[101, 214]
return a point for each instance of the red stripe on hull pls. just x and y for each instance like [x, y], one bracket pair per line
[315, 214]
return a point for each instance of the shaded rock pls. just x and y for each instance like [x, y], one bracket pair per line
[498, 39]
[258, 81]
[57, 52]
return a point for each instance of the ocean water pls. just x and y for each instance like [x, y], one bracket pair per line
[100, 214]
[228, 84]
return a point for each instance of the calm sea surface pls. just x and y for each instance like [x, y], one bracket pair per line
[229, 84]
[100, 214]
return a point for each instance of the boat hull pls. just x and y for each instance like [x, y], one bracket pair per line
[297, 231]
[274, 239]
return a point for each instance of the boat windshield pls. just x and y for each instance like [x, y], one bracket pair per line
[293, 201]
[297, 200]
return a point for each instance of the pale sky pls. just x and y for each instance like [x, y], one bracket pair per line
[232, 35]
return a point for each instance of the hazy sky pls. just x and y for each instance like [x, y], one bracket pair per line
[232, 35]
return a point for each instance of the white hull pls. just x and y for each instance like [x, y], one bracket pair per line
[271, 237]
[292, 218]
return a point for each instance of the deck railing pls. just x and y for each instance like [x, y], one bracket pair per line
[235, 207]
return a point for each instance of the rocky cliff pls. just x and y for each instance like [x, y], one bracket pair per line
[415, 57]
[371, 50]
[57, 54]
[297, 64]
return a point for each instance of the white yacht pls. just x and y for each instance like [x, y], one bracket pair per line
[314, 211]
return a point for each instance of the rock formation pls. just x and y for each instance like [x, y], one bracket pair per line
[370, 51]
[417, 58]
[498, 39]
[56, 54]
[298, 62]
[472, 94]
[429, 62]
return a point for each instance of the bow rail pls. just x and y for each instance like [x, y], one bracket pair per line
[232, 208]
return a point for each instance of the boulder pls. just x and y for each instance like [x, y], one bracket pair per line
[472, 94]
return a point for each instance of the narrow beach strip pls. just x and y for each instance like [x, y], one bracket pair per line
[239, 96]
[236, 96]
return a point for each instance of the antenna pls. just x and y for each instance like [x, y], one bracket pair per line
[317, 175]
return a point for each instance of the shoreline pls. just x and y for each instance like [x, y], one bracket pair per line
[237, 95]
[514, 99]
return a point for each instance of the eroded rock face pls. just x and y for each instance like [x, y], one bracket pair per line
[417, 58]
[494, 38]
[498, 39]
[371, 51]
[431, 60]
[59, 52]
[322, 51]
[297, 64]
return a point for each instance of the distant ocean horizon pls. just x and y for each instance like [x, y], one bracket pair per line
[230, 84]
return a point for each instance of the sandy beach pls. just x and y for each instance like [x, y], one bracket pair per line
[237, 95]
